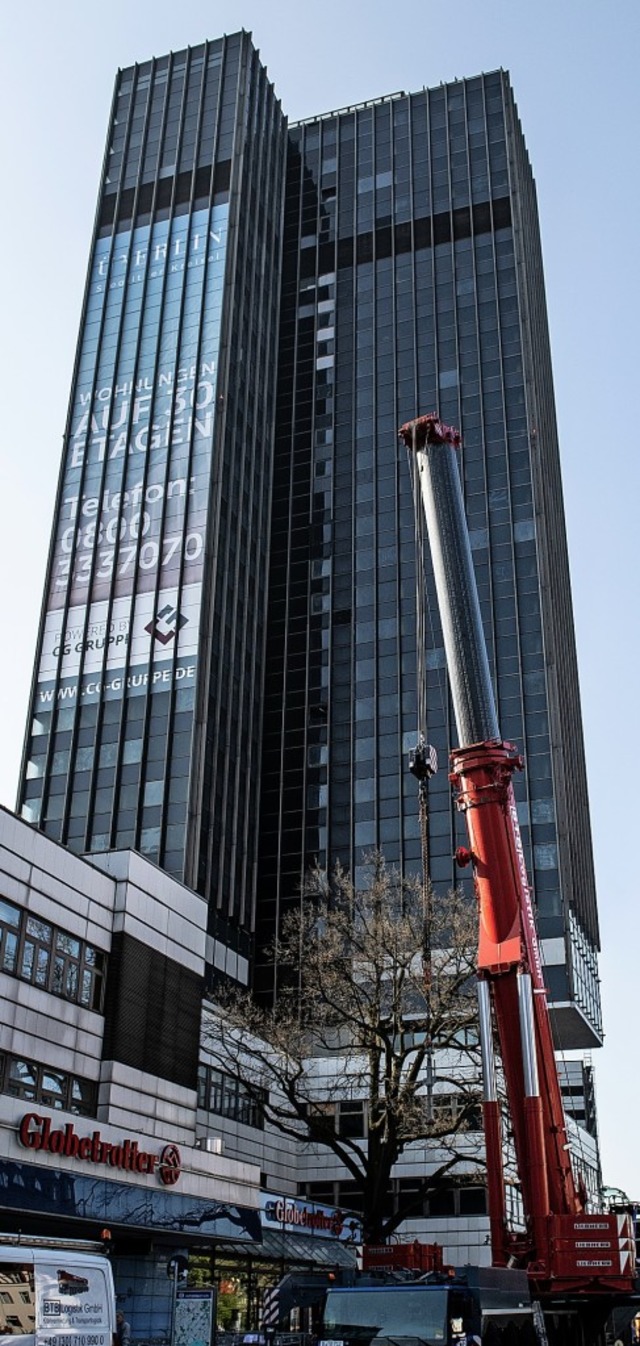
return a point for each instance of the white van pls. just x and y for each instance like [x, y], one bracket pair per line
[55, 1292]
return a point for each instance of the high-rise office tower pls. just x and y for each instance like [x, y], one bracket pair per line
[412, 281]
[392, 251]
[146, 707]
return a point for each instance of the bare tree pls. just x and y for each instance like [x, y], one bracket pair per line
[380, 1007]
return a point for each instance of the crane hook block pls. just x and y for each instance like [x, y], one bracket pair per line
[428, 430]
[423, 761]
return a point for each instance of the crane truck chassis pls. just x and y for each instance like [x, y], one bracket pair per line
[393, 1306]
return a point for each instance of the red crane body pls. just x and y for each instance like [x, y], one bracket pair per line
[565, 1249]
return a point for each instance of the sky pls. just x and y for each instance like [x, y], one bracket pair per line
[574, 67]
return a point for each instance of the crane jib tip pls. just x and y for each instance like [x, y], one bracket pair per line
[428, 429]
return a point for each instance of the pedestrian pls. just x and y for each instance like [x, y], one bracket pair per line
[123, 1329]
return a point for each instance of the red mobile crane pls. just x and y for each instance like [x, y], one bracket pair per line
[565, 1250]
[559, 1281]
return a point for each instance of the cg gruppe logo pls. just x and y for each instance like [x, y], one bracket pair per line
[166, 624]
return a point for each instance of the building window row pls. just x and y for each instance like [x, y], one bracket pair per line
[350, 1116]
[37, 1083]
[40, 953]
[453, 1201]
[227, 1097]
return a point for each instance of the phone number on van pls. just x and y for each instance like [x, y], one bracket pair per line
[73, 1339]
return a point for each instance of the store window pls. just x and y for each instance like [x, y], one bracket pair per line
[38, 952]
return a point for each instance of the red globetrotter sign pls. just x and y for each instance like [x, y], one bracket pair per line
[36, 1133]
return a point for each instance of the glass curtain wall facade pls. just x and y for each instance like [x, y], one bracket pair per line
[146, 712]
[412, 281]
[370, 264]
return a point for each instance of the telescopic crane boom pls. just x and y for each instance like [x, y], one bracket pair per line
[565, 1249]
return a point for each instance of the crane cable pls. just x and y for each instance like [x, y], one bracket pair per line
[422, 764]
[423, 794]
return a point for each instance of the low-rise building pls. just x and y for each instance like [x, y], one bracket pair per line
[113, 1115]
[104, 1112]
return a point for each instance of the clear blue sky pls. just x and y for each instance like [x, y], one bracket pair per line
[574, 66]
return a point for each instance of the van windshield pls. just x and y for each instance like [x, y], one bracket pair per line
[403, 1314]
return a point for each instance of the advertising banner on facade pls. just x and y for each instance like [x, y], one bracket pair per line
[126, 579]
[107, 650]
[124, 628]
